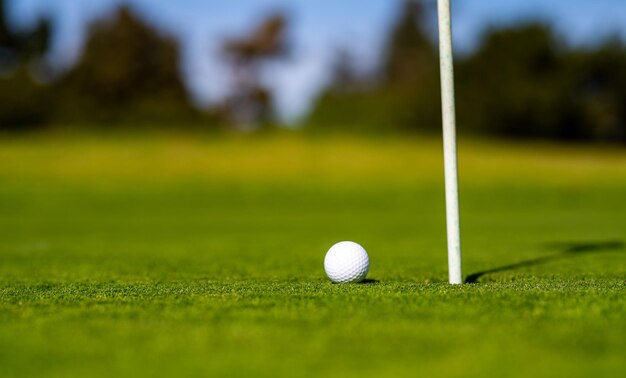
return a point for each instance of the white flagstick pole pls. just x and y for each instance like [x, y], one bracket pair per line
[449, 143]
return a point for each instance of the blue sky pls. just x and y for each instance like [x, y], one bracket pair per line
[319, 28]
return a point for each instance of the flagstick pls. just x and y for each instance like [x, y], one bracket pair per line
[449, 143]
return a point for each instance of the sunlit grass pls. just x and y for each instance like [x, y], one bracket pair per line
[292, 157]
[202, 256]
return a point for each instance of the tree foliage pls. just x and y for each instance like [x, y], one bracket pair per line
[521, 81]
[524, 82]
[23, 101]
[399, 97]
[410, 55]
[127, 72]
[24, 45]
[513, 83]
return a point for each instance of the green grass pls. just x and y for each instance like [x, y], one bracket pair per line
[204, 257]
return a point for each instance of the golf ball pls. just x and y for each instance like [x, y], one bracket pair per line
[346, 262]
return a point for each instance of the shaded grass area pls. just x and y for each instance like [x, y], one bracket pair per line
[115, 275]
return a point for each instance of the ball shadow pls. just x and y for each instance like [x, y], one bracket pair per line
[368, 281]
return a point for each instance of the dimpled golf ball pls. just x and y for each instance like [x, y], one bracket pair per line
[346, 262]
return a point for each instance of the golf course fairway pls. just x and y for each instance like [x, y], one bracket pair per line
[179, 255]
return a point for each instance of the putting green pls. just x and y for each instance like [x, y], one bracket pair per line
[173, 255]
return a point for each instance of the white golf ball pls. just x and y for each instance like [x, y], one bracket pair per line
[346, 262]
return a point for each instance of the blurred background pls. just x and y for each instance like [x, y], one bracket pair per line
[525, 68]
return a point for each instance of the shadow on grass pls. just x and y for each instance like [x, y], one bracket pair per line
[369, 281]
[567, 250]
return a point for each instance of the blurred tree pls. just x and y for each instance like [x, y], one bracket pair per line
[523, 82]
[411, 58]
[23, 101]
[513, 84]
[599, 88]
[399, 96]
[411, 71]
[6, 37]
[342, 104]
[251, 102]
[128, 72]
[8, 43]
[345, 76]
[24, 104]
[35, 44]
[23, 45]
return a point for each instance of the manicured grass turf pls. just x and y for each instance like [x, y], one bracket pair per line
[117, 261]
